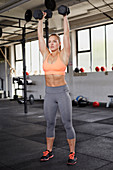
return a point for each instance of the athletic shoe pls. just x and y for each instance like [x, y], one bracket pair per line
[72, 159]
[46, 156]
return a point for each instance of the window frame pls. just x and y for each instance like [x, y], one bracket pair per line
[90, 50]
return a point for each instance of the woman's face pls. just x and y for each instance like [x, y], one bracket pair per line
[53, 43]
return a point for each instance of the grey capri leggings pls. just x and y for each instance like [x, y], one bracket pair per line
[58, 97]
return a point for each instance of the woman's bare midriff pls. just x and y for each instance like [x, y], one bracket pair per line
[55, 80]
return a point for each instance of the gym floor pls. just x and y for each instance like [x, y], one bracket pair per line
[22, 138]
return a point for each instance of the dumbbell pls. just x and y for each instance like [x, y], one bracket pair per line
[63, 10]
[76, 70]
[38, 14]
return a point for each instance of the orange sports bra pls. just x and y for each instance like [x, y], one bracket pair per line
[58, 67]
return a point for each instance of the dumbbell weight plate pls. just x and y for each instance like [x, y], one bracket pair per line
[28, 15]
[63, 10]
[49, 13]
[50, 4]
[31, 99]
[38, 14]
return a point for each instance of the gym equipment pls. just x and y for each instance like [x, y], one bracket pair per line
[76, 70]
[0, 32]
[28, 15]
[96, 104]
[109, 102]
[78, 98]
[82, 70]
[20, 81]
[103, 68]
[20, 101]
[63, 10]
[38, 14]
[82, 102]
[49, 13]
[50, 4]
[97, 69]
[31, 99]
[74, 102]
[27, 73]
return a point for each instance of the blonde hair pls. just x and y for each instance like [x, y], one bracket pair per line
[58, 37]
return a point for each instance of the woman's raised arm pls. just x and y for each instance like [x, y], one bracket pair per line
[42, 45]
[66, 40]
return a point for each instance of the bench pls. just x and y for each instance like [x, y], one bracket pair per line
[111, 100]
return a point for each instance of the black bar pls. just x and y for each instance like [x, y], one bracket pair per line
[10, 40]
[1, 45]
[10, 33]
[46, 30]
[17, 18]
[77, 48]
[24, 70]
[1, 83]
[107, 16]
[6, 25]
[15, 34]
[105, 47]
[84, 51]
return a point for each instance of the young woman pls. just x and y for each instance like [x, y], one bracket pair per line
[57, 91]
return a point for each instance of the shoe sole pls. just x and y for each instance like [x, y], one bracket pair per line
[72, 163]
[44, 160]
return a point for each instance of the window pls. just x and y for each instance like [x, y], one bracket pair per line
[94, 48]
[27, 57]
[35, 57]
[19, 60]
[18, 52]
[109, 44]
[32, 58]
[84, 49]
[83, 40]
[84, 61]
[98, 46]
